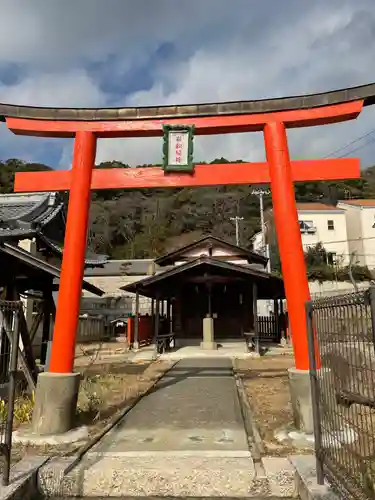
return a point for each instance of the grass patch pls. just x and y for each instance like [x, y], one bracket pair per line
[102, 394]
[23, 409]
[104, 391]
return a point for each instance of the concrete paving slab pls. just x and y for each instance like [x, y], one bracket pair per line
[155, 476]
[185, 438]
[280, 474]
[194, 407]
[306, 480]
[23, 477]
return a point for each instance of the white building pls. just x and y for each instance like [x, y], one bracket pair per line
[360, 223]
[257, 241]
[326, 224]
[319, 223]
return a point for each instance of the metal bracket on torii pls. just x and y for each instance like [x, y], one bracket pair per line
[278, 170]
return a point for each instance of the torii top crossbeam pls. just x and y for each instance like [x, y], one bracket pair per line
[272, 116]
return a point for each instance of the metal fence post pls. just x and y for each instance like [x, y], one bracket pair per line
[11, 396]
[314, 384]
[372, 308]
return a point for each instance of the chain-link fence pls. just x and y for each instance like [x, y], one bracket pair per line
[342, 366]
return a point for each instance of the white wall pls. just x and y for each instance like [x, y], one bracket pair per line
[327, 288]
[368, 235]
[333, 240]
[217, 253]
[354, 232]
[257, 241]
[361, 233]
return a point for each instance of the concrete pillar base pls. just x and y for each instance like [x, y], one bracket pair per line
[300, 392]
[135, 346]
[208, 335]
[209, 346]
[55, 403]
[283, 342]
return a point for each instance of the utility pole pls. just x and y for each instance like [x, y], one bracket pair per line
[237, 220]
[260, 193]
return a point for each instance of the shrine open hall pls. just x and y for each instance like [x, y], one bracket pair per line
[57, 390]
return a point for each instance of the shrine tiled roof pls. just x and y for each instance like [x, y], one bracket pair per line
[29, 215]
[22, 215]
[210, 241]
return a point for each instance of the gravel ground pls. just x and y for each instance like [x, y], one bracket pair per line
[266, 384]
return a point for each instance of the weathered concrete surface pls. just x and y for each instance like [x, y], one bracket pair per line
[281, 476]
[27, 437]
[161, 476]
[55, 403]
[300, 394]
[194, 407]
[306, 483]
[186, 438]
[208, 342]
[23, 479]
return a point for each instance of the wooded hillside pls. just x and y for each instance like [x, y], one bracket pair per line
[146, 223]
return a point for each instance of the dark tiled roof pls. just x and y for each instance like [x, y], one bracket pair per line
[130, 267]
[269, 285]
[44, 267]
[26, 215]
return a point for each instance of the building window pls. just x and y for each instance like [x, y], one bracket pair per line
[307, 226]
[331, 258]
[331, 225]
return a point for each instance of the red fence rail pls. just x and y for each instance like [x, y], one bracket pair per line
[144, 330]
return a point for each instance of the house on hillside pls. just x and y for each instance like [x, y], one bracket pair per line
[319, 223]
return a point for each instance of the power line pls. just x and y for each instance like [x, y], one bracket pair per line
[340, 241]
[350, 143]
[357, 254]
[367, 143]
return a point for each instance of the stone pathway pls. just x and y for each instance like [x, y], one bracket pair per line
[193, 408]
[186, 438]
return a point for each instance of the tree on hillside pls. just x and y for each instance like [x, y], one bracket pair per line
[143, 222]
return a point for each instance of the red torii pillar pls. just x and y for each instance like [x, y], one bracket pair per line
[279, 170]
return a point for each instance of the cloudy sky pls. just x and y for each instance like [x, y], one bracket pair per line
[141, 52]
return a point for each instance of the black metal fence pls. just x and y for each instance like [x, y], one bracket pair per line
[10, 312]
[269, 328]
[342, 368]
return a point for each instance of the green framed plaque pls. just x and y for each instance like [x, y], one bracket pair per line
[178, 148]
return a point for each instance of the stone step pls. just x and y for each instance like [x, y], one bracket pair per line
[158, 475]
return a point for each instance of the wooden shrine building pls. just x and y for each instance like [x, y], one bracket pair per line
[31, 240]
[208, 292]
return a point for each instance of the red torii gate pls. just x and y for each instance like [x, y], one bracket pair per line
[86, 126]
